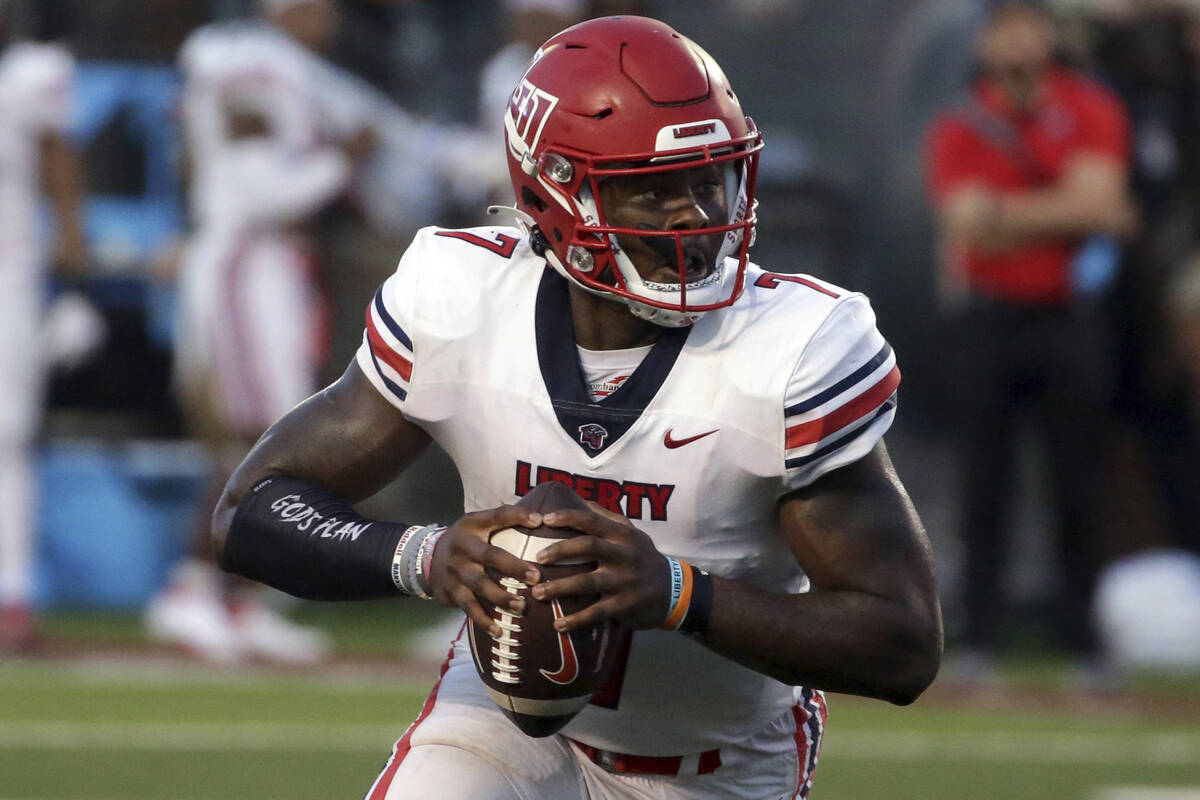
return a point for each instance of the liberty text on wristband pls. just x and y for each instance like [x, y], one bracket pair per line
[681, 592]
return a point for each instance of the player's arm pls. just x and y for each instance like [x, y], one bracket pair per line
[345, 437]
[285, 517]
[63, 186]
[279, 184]
[1091, 197]
[871, 625]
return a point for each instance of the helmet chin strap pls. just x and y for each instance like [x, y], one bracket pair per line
[663, 317]
[666, 318]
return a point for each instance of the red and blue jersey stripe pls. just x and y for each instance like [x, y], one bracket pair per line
[390, 348]
[827, 421]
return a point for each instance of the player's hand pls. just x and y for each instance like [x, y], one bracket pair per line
[631, 576]
[458, 574]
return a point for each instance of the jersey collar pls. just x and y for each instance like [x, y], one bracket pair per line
[593, 425]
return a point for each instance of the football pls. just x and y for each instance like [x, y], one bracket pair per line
[541, 678]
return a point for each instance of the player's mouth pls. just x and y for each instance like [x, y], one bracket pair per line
[699, 259]
[695, 267]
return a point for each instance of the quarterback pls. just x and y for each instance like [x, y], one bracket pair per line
[725, 422]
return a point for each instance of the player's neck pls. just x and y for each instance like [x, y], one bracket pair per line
[602, 324]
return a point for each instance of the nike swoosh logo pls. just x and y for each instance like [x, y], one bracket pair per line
[673, 443]
[569, 670]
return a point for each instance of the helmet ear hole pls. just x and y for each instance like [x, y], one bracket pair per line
[531, 198]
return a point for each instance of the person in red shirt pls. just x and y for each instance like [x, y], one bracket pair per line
[1029, 179]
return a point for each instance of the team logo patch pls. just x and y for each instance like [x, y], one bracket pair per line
[592, 435]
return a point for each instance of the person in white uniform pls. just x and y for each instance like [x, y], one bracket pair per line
[36, 88]
[725, 423]
[268, 149]
[528, 23]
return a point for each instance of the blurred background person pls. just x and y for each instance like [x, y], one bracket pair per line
[1148, 53]
[1147, 604]
[1029, 178]
[296, 164]
[527, 23]
[1147, 601]
[267, 151]
[36, 157]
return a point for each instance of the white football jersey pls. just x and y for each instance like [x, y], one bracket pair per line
[269, 180]
[472, 339]
[311, 105]
[36, 84]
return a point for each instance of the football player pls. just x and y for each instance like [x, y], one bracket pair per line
[267, 151]
[725, 421]
[36, 101]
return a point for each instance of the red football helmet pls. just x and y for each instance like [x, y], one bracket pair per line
[629, 96]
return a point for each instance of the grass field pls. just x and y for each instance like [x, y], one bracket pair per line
[103, 717]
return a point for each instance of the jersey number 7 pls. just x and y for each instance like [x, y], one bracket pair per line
[501, 245]
[770, 280]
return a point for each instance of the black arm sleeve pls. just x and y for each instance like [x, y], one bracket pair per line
[300, 539]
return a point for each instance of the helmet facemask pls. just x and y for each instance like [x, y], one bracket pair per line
[686, 269]
[628, 98]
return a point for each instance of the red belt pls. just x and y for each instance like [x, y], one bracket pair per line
[628, 764]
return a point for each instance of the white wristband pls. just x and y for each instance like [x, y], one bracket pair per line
[407, 571]
[399, 568]
[423, 558]
[677, 569]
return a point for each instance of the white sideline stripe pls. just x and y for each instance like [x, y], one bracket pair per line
[1103, 793]
[894, 745]
[1014, 746]
[209, 736]
[169, 671]
[1146, 793]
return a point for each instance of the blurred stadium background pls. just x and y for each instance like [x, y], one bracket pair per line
[843, 92]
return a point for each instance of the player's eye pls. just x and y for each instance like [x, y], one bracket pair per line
[650, 196]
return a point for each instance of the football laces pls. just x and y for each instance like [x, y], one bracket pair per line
[504, 666]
